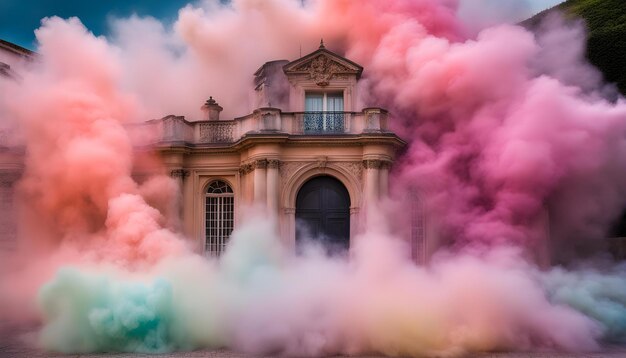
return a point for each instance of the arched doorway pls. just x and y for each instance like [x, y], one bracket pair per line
[323, 213]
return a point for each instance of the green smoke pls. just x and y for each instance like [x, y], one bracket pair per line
[89, 313]
[597, 294]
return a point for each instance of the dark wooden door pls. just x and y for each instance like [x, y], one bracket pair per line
[323, 213]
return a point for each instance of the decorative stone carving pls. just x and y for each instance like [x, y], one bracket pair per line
[216, 132]
[287, 169]
[322, 69]
[354, 168]
[372, 163]
[376, 164]
[273, 163]
[260, 164]
[321, 162]
[322, 66]
[246, 168]
[179, 173]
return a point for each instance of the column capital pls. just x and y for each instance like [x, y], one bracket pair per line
[273, 163]
[179, 173]
[246, 168]
[372, 163]
[260, 164]
[386, 164]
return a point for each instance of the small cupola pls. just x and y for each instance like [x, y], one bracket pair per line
[211, 110]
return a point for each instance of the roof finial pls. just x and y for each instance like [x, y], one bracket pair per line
[322, 44]
[210, 101]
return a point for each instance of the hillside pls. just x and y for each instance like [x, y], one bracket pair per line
[606, 23]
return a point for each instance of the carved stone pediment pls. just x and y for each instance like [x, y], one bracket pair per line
[322, 66]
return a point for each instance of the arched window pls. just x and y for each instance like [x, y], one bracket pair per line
[219, 220]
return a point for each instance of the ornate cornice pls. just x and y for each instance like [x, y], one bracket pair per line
[249, 141]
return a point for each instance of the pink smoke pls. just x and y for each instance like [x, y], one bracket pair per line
[498, 134]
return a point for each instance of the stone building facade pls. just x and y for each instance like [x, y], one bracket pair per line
[306, 154]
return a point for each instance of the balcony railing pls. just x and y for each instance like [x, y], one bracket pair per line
[267, 121]
[324, 122]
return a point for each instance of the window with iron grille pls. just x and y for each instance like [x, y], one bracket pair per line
[418, 228]
[323, 112]
[219, 221]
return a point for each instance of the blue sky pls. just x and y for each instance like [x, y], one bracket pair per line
[19, 18]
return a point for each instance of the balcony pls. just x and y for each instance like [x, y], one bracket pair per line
[268, 121]
[323, 122]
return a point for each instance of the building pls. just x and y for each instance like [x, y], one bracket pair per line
[12, 57]
[306, 154]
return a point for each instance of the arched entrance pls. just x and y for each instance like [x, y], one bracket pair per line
[323, 213]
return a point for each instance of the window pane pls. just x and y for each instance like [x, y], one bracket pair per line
[334, 102]
[218, 217]
[314, 102]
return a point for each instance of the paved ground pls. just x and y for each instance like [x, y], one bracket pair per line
[18, 346]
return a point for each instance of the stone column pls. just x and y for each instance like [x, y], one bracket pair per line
[372, 181]
[384, 179]
[179, 175]
[272, 185]
[355, 228]
[288, 235]
[260, 182]
[246, 196]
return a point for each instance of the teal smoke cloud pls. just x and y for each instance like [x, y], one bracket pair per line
[599, 295]
[88, 312]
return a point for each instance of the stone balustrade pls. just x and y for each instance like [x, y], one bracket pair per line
[267, 121]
